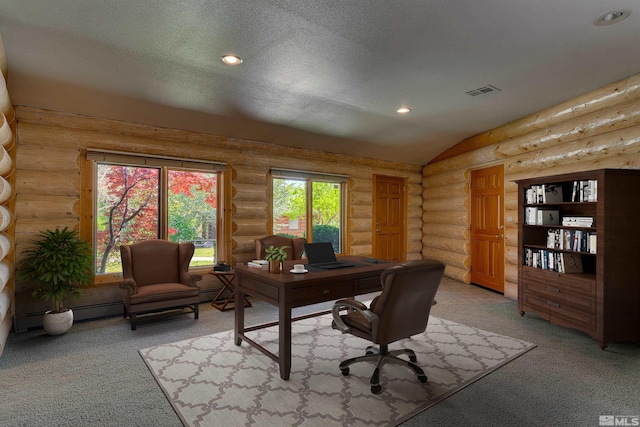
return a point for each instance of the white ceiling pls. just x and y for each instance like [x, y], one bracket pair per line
[326, 75]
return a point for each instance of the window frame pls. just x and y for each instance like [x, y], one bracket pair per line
[309, 178]
[93, 157]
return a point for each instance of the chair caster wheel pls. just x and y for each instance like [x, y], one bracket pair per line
[422, 378]
[345, 371]
[376, 389]
[413, 359]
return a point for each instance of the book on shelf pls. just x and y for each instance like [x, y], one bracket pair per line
[555, 238]
[543, 259]
[577, 221]
[572, 240]
[585, 191]
[570, 263]
[544, 193]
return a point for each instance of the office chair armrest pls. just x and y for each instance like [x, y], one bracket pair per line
[350, 304]
[129, 285]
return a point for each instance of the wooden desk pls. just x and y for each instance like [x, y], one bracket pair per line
[287, 290]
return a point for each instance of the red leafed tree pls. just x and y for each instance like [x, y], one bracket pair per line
[126, 194]
[185, 182]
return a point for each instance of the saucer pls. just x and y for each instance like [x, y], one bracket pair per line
[299, 271]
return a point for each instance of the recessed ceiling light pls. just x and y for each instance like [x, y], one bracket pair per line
[231, 60]
[403, 110]
[612, 17]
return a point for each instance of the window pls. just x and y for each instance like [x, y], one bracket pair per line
[309, 205]
[140, 198]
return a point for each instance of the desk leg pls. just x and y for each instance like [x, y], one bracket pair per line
[285, 341]
[239, 312]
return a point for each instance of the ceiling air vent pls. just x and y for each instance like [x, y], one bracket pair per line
[484, 90]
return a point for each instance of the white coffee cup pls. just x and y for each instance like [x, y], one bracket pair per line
[298, 267]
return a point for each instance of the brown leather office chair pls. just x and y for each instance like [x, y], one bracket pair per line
[156, 277]
[294, 250]
[400, 311]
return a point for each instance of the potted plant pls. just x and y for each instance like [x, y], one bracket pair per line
[275, 256]
[59, 264]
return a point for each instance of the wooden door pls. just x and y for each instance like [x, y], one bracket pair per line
[487, 228]
[389, 214]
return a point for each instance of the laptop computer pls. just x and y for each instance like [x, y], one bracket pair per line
[321, 255]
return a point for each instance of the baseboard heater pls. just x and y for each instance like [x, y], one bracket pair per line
[89, 312]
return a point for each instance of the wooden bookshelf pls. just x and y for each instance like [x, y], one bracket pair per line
[603, 299]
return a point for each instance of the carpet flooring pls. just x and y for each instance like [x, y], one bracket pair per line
[210, 381]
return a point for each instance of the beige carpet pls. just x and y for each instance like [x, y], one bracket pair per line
[212, 382]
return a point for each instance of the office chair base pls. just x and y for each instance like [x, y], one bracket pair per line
[381, 356]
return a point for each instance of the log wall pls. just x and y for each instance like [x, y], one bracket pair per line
[7, 202]
[50, 193]
[600, 129]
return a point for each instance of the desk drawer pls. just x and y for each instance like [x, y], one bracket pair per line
[328, 292]
[369, 284]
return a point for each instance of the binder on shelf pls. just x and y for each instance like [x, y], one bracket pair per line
[531, 216]
[592, 243]
[548, 217]
[571, 263]
[552, 193]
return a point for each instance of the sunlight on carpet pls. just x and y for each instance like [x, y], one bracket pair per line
[210, 381]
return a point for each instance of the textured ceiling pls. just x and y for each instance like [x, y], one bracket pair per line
[325, 75]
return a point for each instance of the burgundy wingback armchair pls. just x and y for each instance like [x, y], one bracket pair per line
[294, 250]
[156, 277]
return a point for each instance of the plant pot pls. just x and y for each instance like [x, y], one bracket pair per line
[275, 266]
[57, 323]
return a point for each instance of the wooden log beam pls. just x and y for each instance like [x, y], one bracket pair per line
[447, 244]
[459, 217]
[618, 92]
[454, 259]
[446, 191]
[445, 205]
[7, 139]
[453, 231]
[459, 274]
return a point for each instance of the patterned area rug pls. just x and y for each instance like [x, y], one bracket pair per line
[210, 381]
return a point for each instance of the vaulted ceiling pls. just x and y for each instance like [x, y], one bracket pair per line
[319, 74]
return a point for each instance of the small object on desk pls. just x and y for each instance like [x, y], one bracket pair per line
[301, 271]
[298, 268]
[259, 264]
[222, 266]
[219, 301]
[372, 260]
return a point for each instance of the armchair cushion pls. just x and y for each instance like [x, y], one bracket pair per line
[162, 292]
